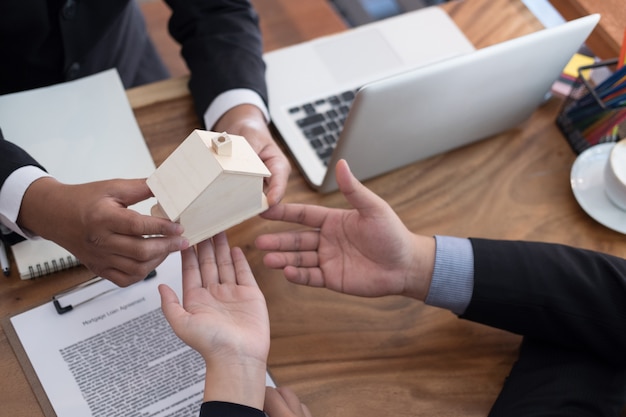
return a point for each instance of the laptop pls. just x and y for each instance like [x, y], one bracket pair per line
[399, 90]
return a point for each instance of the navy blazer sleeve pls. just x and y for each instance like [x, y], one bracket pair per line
[221, 409]
[568, 296]
[12, 157]
[222, 45]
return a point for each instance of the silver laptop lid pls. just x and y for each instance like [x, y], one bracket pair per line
[451, 103]
[351, 59]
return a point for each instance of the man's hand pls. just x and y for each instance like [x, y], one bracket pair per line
[93, 222]
[248, 121]
[366, 251]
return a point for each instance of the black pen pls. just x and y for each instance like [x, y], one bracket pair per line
[4, 260]
[64, 309]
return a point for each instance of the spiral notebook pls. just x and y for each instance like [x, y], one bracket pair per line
[80, 131]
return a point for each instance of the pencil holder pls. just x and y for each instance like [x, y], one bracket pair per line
[594, 111]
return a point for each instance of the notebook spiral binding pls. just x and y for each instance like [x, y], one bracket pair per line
[39, 270]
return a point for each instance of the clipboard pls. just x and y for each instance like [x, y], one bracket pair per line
[27, 368]
[56, 388]
[131, 320]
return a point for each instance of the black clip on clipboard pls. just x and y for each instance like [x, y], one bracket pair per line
[56, 299]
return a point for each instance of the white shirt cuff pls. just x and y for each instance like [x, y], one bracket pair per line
[12, 193]
[232, 98]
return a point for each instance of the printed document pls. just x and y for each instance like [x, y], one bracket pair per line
[115, 355]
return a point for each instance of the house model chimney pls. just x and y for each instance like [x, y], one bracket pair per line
[222, 145]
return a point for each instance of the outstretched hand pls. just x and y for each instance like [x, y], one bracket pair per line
[366, 251]
[224, 317]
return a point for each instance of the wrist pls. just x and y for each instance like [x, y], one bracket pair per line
[420, 271]
[241, 381]
[38, 200]
[241, 118]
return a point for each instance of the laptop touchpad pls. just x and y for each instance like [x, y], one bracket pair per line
[363, 53]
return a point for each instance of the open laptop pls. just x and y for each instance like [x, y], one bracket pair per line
[407, 88]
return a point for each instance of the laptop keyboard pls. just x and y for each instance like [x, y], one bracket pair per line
[321, 121]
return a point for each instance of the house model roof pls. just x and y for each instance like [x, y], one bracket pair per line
[209, 183]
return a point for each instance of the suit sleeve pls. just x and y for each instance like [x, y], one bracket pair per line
[222, 46]
[221, 409]
[572, 297]
[12, 157]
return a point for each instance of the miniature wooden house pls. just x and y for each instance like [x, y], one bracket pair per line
[211, 182]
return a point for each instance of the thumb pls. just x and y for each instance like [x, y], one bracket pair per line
[358, 195]
[132, 191]
[170, 305]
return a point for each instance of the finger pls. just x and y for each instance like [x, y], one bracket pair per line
[131, 191]
[275, 161]
[282, 402]
[288, 241]
[225, 266]
[277, 183]
[192, 278]
[129, 222]
[304, 214]
[279, 260]
[358, 195]
[119, 277]
[208, 263]
[275, 405]
[306, 411]
[121, 270]
[311, 277]
[156, 226]
[243, 272]
[168, 295]
[170, 305]
[142, 249]
[291, 399]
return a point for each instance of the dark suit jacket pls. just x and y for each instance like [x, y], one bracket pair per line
[220, 40]
[220, 409]
[41, 39]
[12, 157]
[565, 296]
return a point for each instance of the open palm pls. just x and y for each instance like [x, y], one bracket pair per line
[365, 251]
[223, 308]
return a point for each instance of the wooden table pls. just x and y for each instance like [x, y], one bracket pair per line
[606, 40]
[349, 356]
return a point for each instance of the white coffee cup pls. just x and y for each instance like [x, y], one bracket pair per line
[615, 175]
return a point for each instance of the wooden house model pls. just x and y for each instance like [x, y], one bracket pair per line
[211, 182]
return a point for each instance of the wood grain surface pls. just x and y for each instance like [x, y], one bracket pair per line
[606, 40]
[390, 356]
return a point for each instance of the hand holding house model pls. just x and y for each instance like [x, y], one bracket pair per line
[211, 182]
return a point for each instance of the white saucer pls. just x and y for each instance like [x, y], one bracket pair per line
[587, 179]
